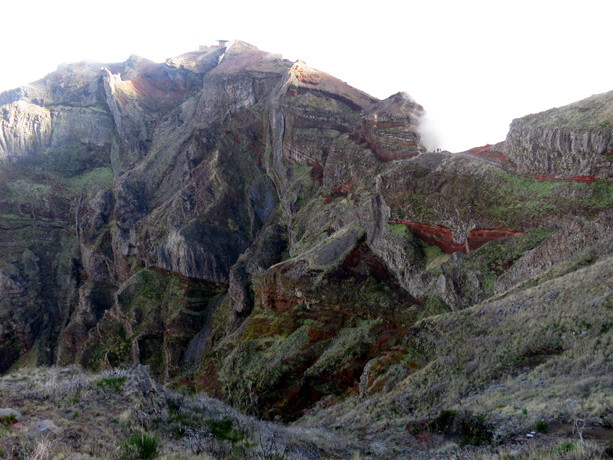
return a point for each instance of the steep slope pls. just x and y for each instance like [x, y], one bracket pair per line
[262, 231]
[180, 167]
[558, 368]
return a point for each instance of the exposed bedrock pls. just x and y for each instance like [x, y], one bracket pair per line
[571, 141]
[575, 243]
[391, 128]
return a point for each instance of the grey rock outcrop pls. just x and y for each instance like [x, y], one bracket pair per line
[576, 243]
[12, 413]
[25, 130]
[45, 428]
[11, 282]
[571, 141]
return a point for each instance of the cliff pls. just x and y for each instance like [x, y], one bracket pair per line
[571, 141]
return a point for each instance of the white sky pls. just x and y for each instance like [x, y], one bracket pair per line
[473, 65]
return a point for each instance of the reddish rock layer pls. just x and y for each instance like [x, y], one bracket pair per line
[443, 237]
[587, 179]
[309, 79]
[157, 87]
[434, 235]
[485, 152]
[479, 237]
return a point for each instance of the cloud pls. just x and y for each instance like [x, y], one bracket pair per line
[429, 132]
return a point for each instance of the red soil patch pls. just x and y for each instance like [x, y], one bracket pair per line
[386, 360]
[443, 237]
[479, 237]
[478, 150]
[238, 63]
[309, 79]
[349, 376]
[434, 235]
[317, 335]
[424, 438]
[343, 189]
[337, 192]
[586, 179]
[207, 380]
[317, 172]
[327, 198]
[156, 88]
[362, 263]
[387, 335]
[487, 154]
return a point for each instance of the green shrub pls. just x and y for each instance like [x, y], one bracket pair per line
[472, 428]
[565, 447]
[541, 427]
[140, 446]
[178, 423]
[224, 431]
[114, 384]
[186, 389]
[443, 423]
[7, 420]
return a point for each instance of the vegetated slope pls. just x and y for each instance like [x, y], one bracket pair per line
[264, 232]
[124, 414]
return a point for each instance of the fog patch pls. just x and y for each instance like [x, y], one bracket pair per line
[429, 132]
[272, 56]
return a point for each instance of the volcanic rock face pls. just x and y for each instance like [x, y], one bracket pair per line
[264, 225]
[571, 141]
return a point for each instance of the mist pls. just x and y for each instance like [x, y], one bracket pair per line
[429, 132]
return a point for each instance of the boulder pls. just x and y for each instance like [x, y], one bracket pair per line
[45, 428]
[7, 412]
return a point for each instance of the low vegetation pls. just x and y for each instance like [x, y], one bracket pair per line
[124, 415]
[145, 421]
[140, 446]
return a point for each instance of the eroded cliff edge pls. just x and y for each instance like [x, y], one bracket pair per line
[571, 141]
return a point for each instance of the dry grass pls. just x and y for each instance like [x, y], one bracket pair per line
[97, 419]
[557, 449]
[539, 353]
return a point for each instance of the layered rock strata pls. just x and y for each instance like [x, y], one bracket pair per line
[574, 141]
